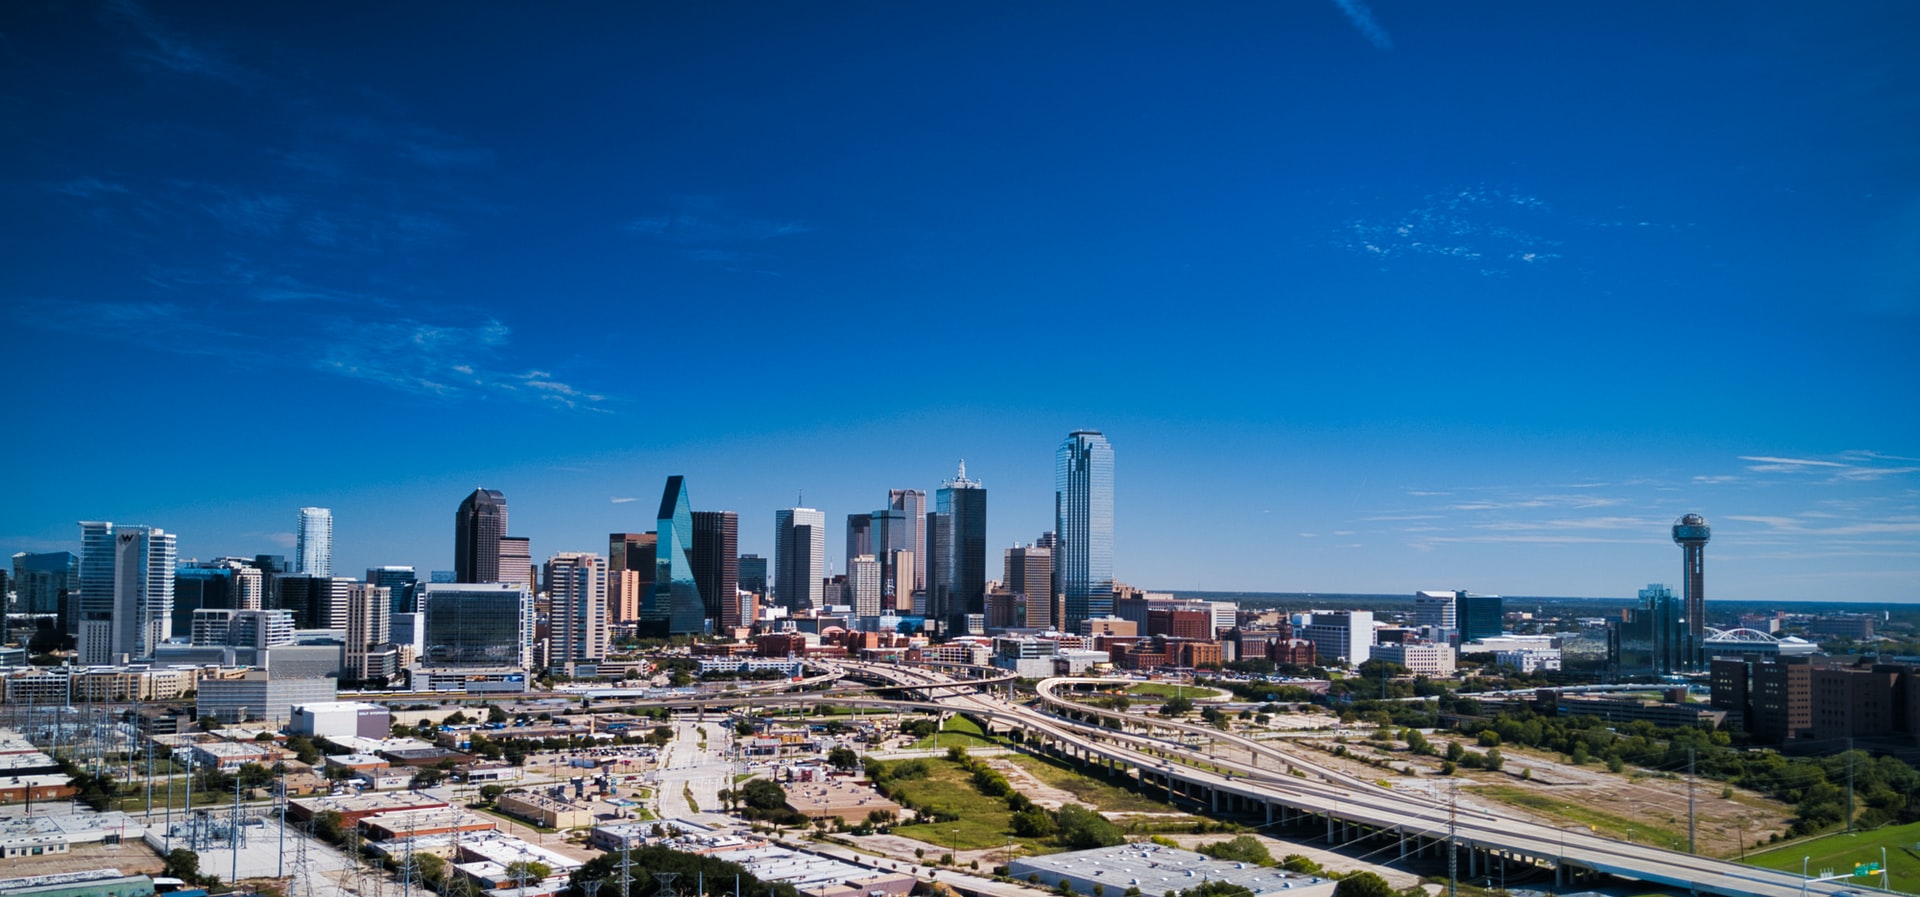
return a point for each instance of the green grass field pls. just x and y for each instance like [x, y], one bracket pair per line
[983, 820]
[1090, 790]
[1637, 830]
[1163, 690]
[958, 732]
[1841, 851]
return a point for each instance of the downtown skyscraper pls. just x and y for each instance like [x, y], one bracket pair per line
[716, 564]
[478, 526]
[799, 558]
[1083, 527]
[576, 583]
[126, 591]
[313, 542]
[676, 607]
[957, 539]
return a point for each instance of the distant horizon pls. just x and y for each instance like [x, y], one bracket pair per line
[1408, 596]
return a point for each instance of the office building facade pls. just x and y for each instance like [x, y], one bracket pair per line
[401, 583]
[576, 583]
[631, 558]
[676, 608]
[1083, 525]
[476, 626]
[716, 565]
[478, 527]
[799, 558]
[1029, 572]
[957, 537]
[126, 591]
[912, 505]
[313, 542]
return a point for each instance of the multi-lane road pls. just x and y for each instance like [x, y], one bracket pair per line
[1289, 785]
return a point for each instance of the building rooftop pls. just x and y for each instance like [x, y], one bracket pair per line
[336, 707]
[1156, 869]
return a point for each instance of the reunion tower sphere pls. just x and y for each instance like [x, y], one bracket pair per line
[1691, 528]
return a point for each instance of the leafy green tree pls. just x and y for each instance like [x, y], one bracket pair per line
[1363, 884]
[182, 864]
[495, 714]
[763, 794]
[1243, 849]
[1033, 822]
[1082, 828]
[1300, 864]
[1177, 706]
[843, 757]
[534, 870]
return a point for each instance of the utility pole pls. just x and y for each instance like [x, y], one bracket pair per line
[1453, 845]
[233, 835]
[1849, 786]
[1690, 816]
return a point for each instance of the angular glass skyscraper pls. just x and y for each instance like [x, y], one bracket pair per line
[675, 608]
[1083, 524]
[313, 543]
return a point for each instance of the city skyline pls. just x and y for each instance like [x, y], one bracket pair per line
[1407, 300]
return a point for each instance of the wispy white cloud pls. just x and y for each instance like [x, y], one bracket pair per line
[169, 49]
[622, 501]
[87, 187]
[1851, 467]
[1362, 18]
[703, 229]
[1484, 226]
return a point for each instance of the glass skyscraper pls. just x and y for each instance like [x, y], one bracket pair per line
[478, 527]
[799, 558]
[313, 543]
[957, 539]
[477, 626]
[126, 591]
[676, 608]
[716, 562]
[1083, 526]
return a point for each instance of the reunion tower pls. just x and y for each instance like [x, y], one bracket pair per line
[1691, 534]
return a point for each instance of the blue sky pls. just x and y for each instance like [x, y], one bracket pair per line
[1367, 298]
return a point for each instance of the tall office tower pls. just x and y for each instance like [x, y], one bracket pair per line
[1691, 534]
[201, 585]
[799, 558]
[1343, 635]
[577, 597]
[753, 574]
[46, 584]
[859, 537]
[1480, 616]
[676, 608]
[126, 591]
[716, 565]
[1029, 572]
[516, 561]
[478, 526]
[313, 542]
[863, 579]
[271, 567]
[249, 586]
[476, 626]
[631, 558]
[369, 642]
[1435, 611]
[401, 582]
[957, 536]
[1083, 524]
[912, 505]
[339, 593]
[887, 533]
